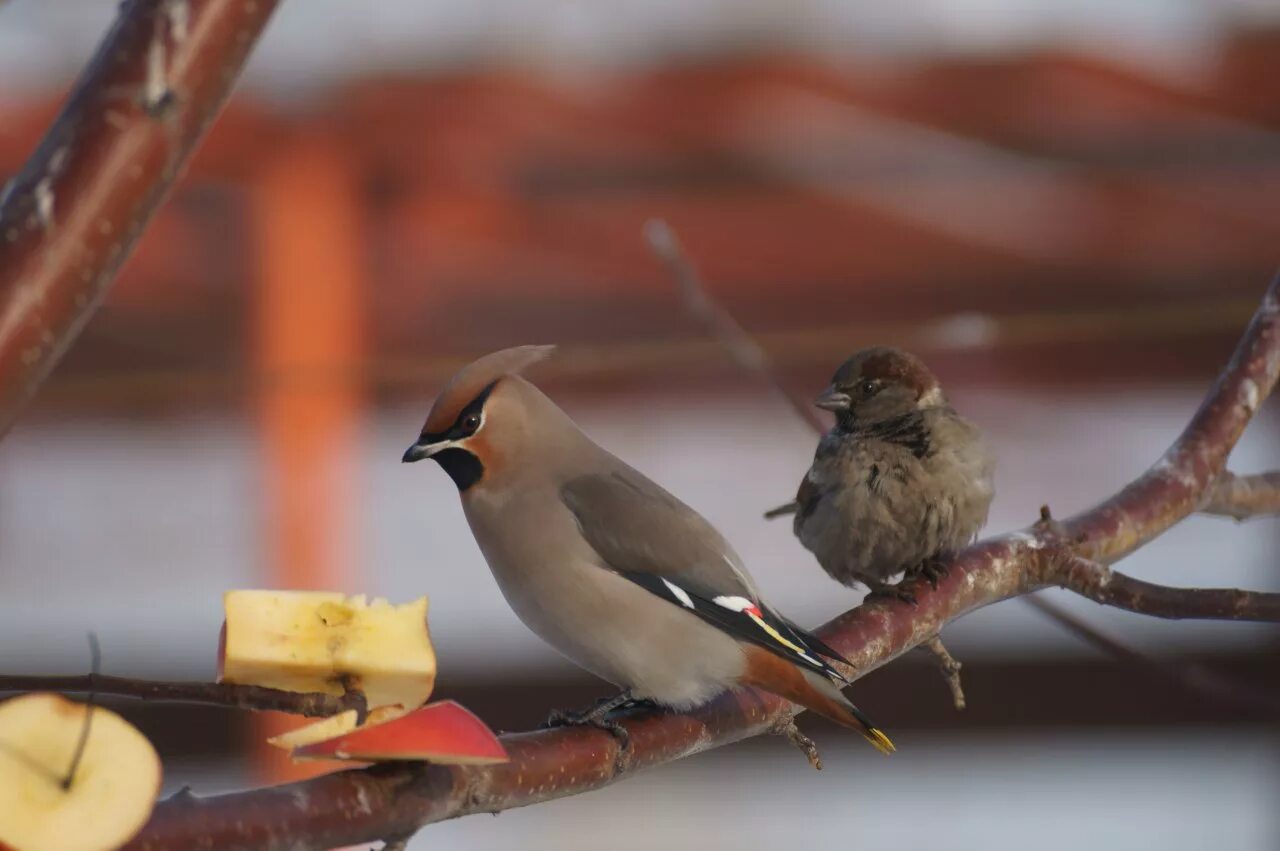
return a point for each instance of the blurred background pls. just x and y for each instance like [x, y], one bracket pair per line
[1068, 208]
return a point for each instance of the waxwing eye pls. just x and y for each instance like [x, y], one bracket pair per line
[470, 423]
[868, 387]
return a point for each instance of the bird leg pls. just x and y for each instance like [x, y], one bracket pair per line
[932, 568]
[597, 716]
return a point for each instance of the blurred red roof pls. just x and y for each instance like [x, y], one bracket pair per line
[507, 205]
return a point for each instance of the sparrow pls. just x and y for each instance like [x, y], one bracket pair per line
[899, 482]
[607, 567]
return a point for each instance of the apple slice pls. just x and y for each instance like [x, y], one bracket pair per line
[108, 799]
[443, 732]
[334, 725]
[320, 641]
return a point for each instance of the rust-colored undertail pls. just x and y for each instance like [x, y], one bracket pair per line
[812, 691]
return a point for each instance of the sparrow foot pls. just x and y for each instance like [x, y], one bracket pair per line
[931, 569]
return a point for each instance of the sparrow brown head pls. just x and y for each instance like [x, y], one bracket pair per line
[879, 383]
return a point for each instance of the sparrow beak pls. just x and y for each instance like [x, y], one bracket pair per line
[832, 399]
[420, 450]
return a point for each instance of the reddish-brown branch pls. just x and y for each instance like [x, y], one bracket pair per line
[395, 799]
[1245, 497]
[311, 704]
[72, 215]
[1177, 484]
[1112, 588]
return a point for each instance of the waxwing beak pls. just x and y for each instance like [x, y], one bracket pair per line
[832, 399]
[420, 450]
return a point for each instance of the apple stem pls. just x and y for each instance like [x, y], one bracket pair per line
[95, 654]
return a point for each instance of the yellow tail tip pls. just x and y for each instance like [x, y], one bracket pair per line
[879, 741]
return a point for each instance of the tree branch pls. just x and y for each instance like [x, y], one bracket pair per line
[1245, 497]
[1112, 588]
[72, 215]
[1176, 485]
[397, 798]
[310, 704]
[1238, 496]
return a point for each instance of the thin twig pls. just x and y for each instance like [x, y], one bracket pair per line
[1191, 676]
[950, 668]
[788, 730]
[740, 345]
[309, 704]
[1110, 587]
[1245, 497]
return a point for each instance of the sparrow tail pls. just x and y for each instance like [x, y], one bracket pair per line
[781, 510]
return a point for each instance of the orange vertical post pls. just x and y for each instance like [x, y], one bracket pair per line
[307, 341]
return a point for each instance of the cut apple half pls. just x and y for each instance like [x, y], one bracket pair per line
[443, 732]
[320, 641]
[104, 803]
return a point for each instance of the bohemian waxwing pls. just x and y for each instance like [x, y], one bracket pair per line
[898, 482]
[606, 566]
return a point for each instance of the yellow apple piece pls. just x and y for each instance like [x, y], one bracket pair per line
[320, 641]
[334, 725]
[108, 798]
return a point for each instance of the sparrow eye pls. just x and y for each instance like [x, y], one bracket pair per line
[867, 387]
[470, 423]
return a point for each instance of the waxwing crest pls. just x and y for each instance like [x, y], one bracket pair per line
[470, 381]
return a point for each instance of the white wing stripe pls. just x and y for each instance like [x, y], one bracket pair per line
[679, 593]
[734, 604]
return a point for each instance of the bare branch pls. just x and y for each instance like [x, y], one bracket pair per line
[72, 215]
[310, 704]
[1176, 485]
[1245, 497]
[394, 799]
[1112, 588]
